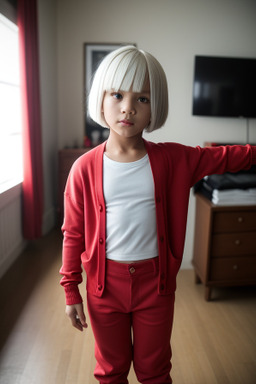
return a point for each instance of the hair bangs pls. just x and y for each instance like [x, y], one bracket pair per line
[129, 73]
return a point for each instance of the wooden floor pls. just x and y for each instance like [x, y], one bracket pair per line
[213, 342]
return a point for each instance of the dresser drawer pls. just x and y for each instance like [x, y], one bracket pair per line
[240, 221]
[236, 268]
[232, 244]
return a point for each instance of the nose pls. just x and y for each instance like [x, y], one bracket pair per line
[128, 107]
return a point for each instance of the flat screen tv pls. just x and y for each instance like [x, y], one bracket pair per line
[224, 87]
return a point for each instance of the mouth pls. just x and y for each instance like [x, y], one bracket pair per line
[126, 122]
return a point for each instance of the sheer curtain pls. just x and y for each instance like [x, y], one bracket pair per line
[31, 114]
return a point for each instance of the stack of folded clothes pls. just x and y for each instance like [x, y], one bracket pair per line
[230, 188]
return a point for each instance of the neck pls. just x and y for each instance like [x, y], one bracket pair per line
[125, 149]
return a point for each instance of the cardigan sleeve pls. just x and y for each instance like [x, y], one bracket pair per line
[218, 160]
[73, 241]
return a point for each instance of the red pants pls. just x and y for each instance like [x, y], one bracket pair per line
[132, 322]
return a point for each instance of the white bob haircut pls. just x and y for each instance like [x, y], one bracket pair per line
[129, 68]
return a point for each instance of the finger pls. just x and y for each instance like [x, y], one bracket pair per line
[76, 323]
[77, 316]
[81, 322]
[81, 316]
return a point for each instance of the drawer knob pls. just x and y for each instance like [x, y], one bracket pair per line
[237, 242]
[235, 267]
[240, 219]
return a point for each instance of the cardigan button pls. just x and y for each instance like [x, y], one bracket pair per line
[101, 240]
[162, 287]
[99, 287]
[100, 208]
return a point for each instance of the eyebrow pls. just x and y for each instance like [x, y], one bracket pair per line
[144, 91]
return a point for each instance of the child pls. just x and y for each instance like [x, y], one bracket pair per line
[126, 206]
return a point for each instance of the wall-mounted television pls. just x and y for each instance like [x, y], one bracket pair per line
[224, 87]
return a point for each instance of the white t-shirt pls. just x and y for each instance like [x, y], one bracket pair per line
[130, 210]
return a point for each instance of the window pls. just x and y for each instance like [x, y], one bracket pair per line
[11, 163]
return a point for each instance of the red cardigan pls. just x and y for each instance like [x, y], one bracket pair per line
[176, 168]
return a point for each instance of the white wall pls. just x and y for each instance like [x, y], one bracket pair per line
[172, 30]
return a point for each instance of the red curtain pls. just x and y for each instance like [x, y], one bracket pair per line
[31, 114]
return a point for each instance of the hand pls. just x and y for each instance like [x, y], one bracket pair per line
[76, 314]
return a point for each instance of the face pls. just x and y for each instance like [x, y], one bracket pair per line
[127, 113]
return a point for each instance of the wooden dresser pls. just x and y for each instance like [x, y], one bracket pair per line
[224, 245]
[66, 160]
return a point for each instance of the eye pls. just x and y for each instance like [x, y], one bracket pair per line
[143, 99]
[117, 95]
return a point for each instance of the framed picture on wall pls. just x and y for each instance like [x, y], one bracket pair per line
[93, 55]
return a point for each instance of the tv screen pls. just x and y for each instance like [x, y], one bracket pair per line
[224, 87]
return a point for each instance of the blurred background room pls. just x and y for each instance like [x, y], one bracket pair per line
[41, 134]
